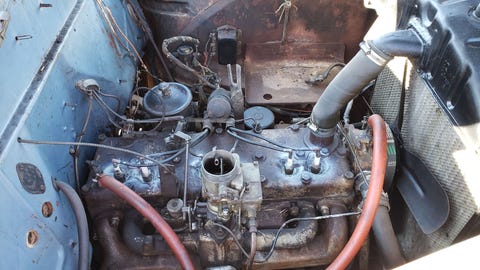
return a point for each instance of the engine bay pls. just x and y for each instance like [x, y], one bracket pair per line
[247, 135]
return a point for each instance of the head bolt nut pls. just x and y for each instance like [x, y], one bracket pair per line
[348, 175]
[306, 178]
[295, 127]
[259, 155]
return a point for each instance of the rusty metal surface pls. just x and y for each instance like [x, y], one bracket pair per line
[320, 251]
[342, 21]
[277, 74]
[116, 255]
[282, 194]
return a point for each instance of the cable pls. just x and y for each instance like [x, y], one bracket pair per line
[82, 223]
[234, 238]
[146, 28]
[253, 249]
[179, 63]
[272, 248]
[374, 193]
[112, 23]
[270, 141]
[119, 102]
[240, 138]
[355, 157]
[175, 153]
[76, 153]
[325, 74]
[113, 148]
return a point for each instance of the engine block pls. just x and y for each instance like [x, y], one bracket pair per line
[231, 186]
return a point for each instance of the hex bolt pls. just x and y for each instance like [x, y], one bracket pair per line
[324, 151]
[306, 178]
[101, 137]
[324, 210]
[263, 179]
[348, 175]
[259, 155]
[295, 127]
[115, 221]
[300, 154]
[342, 151]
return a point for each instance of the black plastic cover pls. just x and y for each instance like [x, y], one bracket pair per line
[227, 45]
[451, 61]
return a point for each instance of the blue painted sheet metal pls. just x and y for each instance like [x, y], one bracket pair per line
[53, 110]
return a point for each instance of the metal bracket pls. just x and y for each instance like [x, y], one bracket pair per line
[236, 94]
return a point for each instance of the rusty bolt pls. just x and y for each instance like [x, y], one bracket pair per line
[115, 221]
[148, 243]
[306, 178]
[324, 210]
[101, 137]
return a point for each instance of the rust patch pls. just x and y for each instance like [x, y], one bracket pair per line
[277, 74]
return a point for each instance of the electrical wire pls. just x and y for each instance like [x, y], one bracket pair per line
[113, 148]
[119, 102]
[272, 248]
[271, 141]
[146, 28]
[114, 27]
[80, 137]
[179, 63]
[355, 157]
[175, 153]
[245, 253]
[321, 77]
[240, 138]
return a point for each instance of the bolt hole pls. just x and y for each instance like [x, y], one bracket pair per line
[32, 238]
[267, 96]
[47, 209]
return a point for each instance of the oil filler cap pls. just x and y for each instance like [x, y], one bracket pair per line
[258, 116]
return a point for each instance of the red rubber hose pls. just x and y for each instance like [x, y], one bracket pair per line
[374, 193]
[149, 213]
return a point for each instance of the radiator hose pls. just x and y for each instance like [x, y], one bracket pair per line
[82, 223]
[374, 193]
[146, 210]
[363, 68]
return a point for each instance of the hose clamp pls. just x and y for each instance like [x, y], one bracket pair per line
[376, 57]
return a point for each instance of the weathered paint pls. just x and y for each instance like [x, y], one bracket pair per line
[69, 41]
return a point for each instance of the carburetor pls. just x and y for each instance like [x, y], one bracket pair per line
[230, 186]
